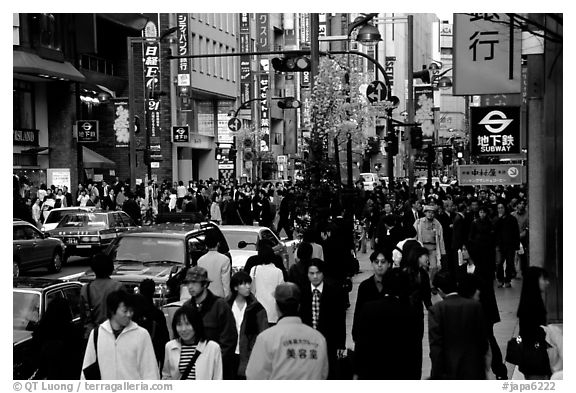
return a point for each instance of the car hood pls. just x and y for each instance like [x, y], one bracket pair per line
[20, 336]
[138, 272]
[239, 257]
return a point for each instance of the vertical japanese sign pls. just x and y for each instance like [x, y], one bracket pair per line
[389, 68]
[183, 50]
[151, 49]
[304, 30]
[289, 31]
[424, 102]
[263, 86]
[495, 130]
[262, 32]
[245, 72]
[121, 131]
[487, 54]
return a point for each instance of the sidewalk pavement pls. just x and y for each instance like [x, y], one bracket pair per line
[507, 299]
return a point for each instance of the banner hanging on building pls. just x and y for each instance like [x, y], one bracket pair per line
[424, 102]
[487, 56]
[245, 69]
[495, 130]
[474, 175]
[262, 32]
[263, 86]
[183, 50]
[151, 55]
[121, 127]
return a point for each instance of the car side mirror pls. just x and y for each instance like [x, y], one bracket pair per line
[242, 244]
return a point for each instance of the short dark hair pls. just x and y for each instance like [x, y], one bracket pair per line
[194, 318]
[102, 265]
[375, 254]
[147, 287]
[266, 253]
[319, 263]
[304, 251]
[445, 281]
[468, 284]
[115, 298]
[211, 239]
[239, 278]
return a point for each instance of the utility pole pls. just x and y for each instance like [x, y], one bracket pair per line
[410, 104]
[314, 63]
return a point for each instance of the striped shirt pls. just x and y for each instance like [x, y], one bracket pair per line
[186, 355]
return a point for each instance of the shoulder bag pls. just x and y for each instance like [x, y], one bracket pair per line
[190, 365]
[92, 372]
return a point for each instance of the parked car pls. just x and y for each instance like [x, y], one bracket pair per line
[245, 241]
[55, 215]
[370, 181]
[32, 249]
[30, 298]
[87, 232]
[161, 252]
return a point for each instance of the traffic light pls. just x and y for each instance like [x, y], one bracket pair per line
[291, 64]
[289, 103]
[232, 154]
[391, 144]
[218, 154]
[423, 75]
[447, 156]
[416, 137]
[430, 154]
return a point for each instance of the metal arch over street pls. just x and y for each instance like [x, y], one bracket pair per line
[290, 52]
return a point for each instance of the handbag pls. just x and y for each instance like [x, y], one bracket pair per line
[514, 350]
[190, 364]
[92, 372]
[531, 359]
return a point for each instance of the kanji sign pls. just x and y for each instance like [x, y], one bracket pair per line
[495, 130]
[472, 175]
[487, 58]
[87, 130]
[234, 124]
[180, 134]
[376, 92]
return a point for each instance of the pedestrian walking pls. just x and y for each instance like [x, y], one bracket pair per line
[217, 265]
[265, 277]
[323, 308]
[93, 295]
[219, 324]
[287, 212]
[507, 235]
[521, 216]
[124, 349]
[531, 317]
[215, 214]
[132, 208]
[191, 355]
[457, 333]
[430, 234]
[250, 317]
[291, 349]
[372, 288]
[298, 272]
[385, 328]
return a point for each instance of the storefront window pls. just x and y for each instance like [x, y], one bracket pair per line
[23, 105]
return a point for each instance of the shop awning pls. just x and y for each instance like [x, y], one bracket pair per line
[94, 160]
[133, 21]
[30, 63]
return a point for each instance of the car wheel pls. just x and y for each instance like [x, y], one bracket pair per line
[15, 269]
[56, 264]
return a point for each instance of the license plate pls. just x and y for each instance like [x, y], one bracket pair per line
[72, 240]
[83, 246]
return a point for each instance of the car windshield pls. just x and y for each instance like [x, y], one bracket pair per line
[56, 215]
[233, 237]
[132, 249]
[83, 219]
[26, 309]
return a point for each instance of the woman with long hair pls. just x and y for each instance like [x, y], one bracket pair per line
[250, 317]
[265, 277]
[531, 316]
[419, 295]
[190, 355]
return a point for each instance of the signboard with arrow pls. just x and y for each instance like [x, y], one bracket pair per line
[234, 124]
[376, 91]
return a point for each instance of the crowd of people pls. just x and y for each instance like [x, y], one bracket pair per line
[269, 323]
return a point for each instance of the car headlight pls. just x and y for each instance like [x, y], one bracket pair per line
[89, 239]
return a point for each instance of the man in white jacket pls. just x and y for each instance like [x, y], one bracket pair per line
[124, 349]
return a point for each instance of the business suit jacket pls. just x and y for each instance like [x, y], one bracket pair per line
[332, 317]
[459, 231]
[367, 292]
[458, 339]
[386, 329]
[487, 295]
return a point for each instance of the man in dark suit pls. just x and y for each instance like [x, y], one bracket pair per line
[385, 328]
[412, 213]
[323, 307]
[457, 333]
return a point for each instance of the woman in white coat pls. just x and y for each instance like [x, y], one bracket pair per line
[190, 355]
